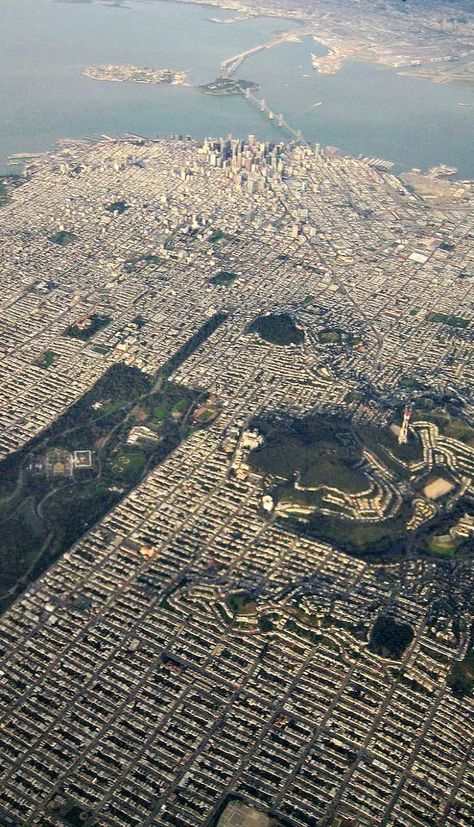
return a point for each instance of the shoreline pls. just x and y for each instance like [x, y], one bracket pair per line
[408, 68]
[284, 36]
[428, 180]
[403, 69]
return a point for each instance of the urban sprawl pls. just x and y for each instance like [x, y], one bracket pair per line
[201, 655]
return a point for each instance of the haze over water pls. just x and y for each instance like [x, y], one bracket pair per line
[364, 108]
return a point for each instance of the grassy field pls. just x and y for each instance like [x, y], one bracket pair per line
[46, 359]
[409, 383]
[376, 541]
[335, 471]
[128, 465]
[329, 337]
[113, 405]
[241, 603]
[443, 548]
[206, 414]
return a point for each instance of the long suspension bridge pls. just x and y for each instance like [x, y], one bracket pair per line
[279, 120]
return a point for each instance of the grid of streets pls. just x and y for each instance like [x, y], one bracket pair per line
[125, 686]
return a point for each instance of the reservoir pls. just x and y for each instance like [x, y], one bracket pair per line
[363, 109]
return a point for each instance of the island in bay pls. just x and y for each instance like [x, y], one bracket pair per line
[137, 74]
[145, 74]
[229, 86]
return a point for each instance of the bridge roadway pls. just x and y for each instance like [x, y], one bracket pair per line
[230, 65]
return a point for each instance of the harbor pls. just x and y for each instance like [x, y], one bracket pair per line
[363, 109]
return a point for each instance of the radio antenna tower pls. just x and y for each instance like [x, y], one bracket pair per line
[403, 435]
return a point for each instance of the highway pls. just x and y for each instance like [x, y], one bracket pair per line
[230, 65]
